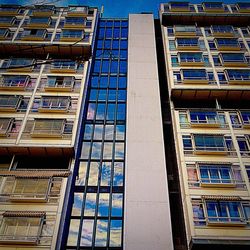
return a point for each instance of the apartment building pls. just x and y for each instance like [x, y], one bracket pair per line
[45, 55]
[206, 50]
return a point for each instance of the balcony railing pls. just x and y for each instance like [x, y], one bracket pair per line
[208, 150]
[14, 84]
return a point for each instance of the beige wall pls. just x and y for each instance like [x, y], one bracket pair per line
[147, 212]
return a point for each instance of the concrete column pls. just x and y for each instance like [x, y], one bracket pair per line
[147, 212]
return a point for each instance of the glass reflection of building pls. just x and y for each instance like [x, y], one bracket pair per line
[96, 209]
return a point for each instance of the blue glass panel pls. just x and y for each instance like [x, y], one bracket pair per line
[112, 81]
[122, 82]
[115, 44]
[243, 145]
[227, 42]
[121, 112]
[194, 74]
[211, 210]
[245, 117]
[123, 66]
[100, 111]
[204, 174]
[97, 66]
[233, 57]
[116, 33]
[111, 112]
[114, 66]
[103, 82]
[124, 44]
[108, 33]
[124, 33]
[187, 41]
[93, 95]
[105, 66]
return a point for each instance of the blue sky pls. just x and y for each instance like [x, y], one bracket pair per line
[112, 8]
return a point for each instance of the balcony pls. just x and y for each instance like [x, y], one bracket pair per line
[187, 44]
[195, 77]
[77, 11]
[34, 35]
[227, 44]
[22, 228]
[6, 125]
[14, 83]
[213, 7]
[233, 60]
[54, 105]
[48, 128]
[74, 23]
[222, 31]
[10, 103]
[39, 22]
[6, 22]
[191, 59]
[43, 11]
[238, 77]
[9, 11]
[243, 7]
[245, 117]
[19, 65]
[5, 34]
[57, 83]
[179, 7]
[205, 119]
[63, 67]
[72, 36]
[185, 31]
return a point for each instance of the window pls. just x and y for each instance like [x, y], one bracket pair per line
[206, 117]
[235, 119]
[242, 75]
[243, 6]
[186, 28]
[245, 117]
[7, 20]
[75, 9]
[27, 190]
[191, 57]
[60, 82]
[216, 174]
[213, 5]
[187, 42]
[219, 211]
[5, 125]
[10, 102]
[243, 142]
[72, 34]
[55, 103]
[63, 65]
[193, 74]
[40, 20]
[227, 42]
[34, 33]
[21, 227]
[14, 81]
[53, 128]
[179, 6]
[222, 29]
[233, 57]
[75, 20]
[20, 62]
[209, 143]
[248, 173]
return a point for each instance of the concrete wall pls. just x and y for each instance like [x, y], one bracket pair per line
[147, 212]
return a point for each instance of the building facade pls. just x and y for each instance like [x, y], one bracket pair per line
[44, 63]
[206, 49]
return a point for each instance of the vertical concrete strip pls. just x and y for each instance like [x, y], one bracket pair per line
[147, 212]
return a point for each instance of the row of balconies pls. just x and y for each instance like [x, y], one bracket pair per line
[221, 211]
[196, 44]
[197, 59]
[46, 22]
[32, 65]
[217, 31]
[46, 10]
[48, 84]
[29, 188]
[215, 176]
[43, 104]
[210, 7]
[214, 119]
[66, 35]
[215, 144]
[202, 76]
[36, 128]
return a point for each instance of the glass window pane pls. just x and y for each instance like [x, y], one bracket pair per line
[118, 174]
[73, 232]
[90, 204]
[87, 232]
[117, 201]
[77, 205]
[101, 233]
[115, 233]
[106, 173]
[93, 174]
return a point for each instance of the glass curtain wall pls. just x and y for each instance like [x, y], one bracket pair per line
[96, 220]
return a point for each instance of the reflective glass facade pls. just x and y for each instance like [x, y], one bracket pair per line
[96, 220]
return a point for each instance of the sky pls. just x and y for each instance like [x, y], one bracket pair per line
[112, 8]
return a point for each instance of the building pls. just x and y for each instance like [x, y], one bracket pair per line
[206, 50]
[125, 133]
[45, 55]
